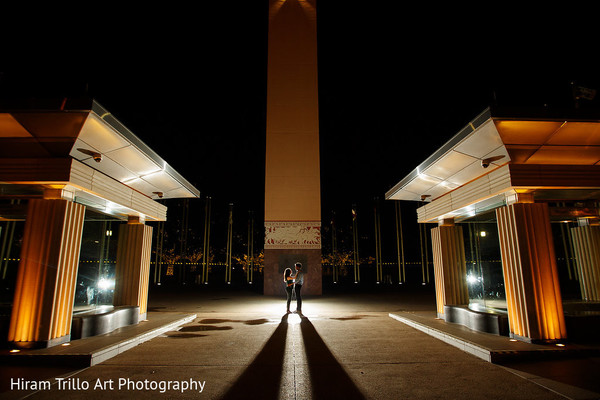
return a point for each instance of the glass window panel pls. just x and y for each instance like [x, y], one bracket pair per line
[97, 261]
[565, 260]
[485, 279]
[11, 236]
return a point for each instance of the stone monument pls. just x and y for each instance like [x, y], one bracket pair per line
[292, 170]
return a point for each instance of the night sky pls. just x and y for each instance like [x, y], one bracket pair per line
[396, 81]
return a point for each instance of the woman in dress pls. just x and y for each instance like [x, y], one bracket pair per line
[288, 279]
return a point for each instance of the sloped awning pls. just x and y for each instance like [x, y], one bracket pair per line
[496, 156]
[89, 154]
[127, 159]
[454, 164]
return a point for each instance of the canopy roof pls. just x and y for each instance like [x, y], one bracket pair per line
[478, 152]
[70, 144]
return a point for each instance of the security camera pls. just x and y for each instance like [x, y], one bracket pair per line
[96, 156]
[487, 161]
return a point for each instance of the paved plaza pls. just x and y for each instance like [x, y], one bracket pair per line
[345, 346]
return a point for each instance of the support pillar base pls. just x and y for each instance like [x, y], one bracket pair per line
[41, 344]
[534, 341]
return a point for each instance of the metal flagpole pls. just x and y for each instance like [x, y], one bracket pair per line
[229, 244]
[185, 209]
[206, 249]
[250, 264]
[422, 255]
[355, 245]
[160, 240]
[377, 244]
[400, 244]
[334, 249]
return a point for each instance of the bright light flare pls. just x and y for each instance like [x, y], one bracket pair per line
[105, 284]
[293, 319]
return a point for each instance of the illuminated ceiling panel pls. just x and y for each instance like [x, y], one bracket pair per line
[479, 145]
[51, 125]
[466, 174]
[107, 166]
[449, 164]
[566, 155]
[439, 189]
[421, 184]
[133, 160]
[142, 186]
[526, 132]
[101, 137]
[9, 127]
[162, 180]
[519, 154]
[577, 133]
[176, 193]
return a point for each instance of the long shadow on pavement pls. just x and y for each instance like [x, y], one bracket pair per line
[329, 380]
[263, 375]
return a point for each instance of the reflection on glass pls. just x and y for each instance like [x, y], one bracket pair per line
[485, 280]
[565, 261]
[484, 265]
[96, 275]
[11, 236]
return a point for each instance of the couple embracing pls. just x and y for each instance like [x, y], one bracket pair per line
[294, 283]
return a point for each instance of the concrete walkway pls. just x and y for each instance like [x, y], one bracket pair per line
[344, 346]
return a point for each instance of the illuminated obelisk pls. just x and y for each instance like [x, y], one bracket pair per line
[292, 170]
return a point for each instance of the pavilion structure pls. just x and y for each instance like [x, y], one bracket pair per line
[533, 174]
[67, 162]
